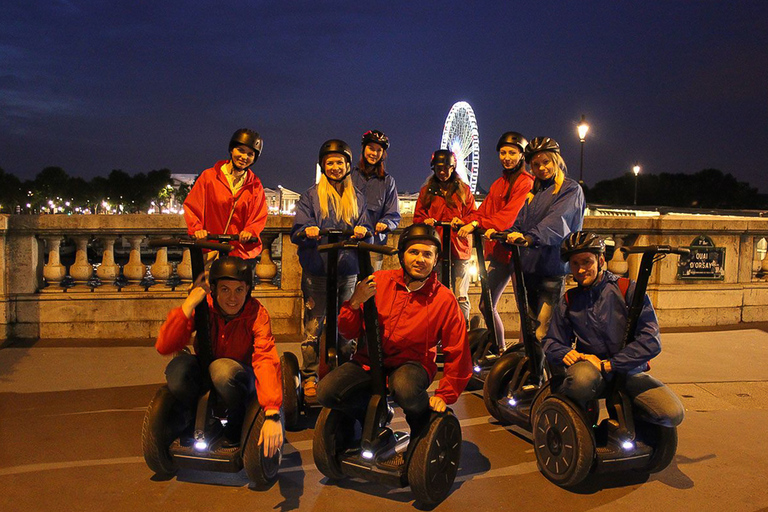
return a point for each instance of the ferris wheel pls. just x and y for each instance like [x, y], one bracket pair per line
[460, 136]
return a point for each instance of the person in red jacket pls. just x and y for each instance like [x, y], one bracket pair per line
[244, 355]
[443, 198]
[497, 213]
[228, 198]
[415, 313]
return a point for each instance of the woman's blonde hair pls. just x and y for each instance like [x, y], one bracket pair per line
[344, 205]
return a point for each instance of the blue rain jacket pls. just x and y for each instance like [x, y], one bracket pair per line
[381, 200]
[556, 210]
[595, 319]
[308, 214]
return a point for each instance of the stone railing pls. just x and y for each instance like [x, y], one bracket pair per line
[94, 276]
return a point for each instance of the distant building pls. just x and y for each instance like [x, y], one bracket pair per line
[281, 201]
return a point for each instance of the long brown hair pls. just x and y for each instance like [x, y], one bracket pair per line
[379, 168]
[452, 187]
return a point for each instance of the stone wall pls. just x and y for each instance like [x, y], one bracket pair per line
[30, 309]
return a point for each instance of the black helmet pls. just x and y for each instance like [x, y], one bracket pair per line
[246, 137]
[414, 232]
[581, 241]
[512, 139]
[335, 146]
[377, 137]
[540, 144]
[442, 156]
[230, 267]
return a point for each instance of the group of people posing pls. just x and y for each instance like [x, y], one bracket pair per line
[533, 202]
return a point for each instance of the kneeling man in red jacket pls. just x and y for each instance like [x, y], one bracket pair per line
[416, 312]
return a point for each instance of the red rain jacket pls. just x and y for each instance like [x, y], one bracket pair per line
[209, 204]
[247, 339]
[411, 324]
[441, 211]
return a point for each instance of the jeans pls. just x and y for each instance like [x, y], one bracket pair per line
[498, 277]
[652, 400]
[377, 260]
[233, 381]
[543, 293]
[314, 290]
[348, 389]
[460, 284]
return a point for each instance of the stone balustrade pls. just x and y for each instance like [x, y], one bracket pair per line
[94, 275]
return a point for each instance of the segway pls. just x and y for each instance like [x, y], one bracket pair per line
[516, 376]
[567, 442]
[427, 463]
[294, 402]
[173, 437]
[482, 340]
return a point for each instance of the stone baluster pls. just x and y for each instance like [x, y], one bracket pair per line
[184, 268]
[618, 264]
[134, 270]
[81, 271]
[266, 269]
[757, 263]
[764, 266]
[160, 269]
[108, 270]
[54, 271]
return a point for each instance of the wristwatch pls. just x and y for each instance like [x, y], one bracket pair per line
[275, 416]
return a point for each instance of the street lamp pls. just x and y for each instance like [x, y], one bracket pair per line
[583, 128]
[636, 170]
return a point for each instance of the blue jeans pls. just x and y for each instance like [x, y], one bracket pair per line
[460, 284]
[233, 381]
[652, 400]
[348, 389]
[314, 290]
[544, 293]
[498, 277]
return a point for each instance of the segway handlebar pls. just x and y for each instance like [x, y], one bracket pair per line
[501, 236]
[351, 244]
[223, 238]
[189, 242]
[657, 249]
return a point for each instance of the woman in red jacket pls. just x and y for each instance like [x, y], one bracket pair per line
[497, 213]
[443, 198]
[228, 198]
[244, 358]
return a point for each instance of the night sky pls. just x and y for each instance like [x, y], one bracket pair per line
[93, 86]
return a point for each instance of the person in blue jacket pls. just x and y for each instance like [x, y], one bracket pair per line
[333, 203]
[371, 178]
[552, 210]
[594, 317]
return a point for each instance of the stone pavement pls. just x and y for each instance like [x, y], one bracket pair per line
[71, 412]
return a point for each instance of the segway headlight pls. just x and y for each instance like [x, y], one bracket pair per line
[628, 445]
[512, 402]
[367, 454]
[477, 368]
[201, 445]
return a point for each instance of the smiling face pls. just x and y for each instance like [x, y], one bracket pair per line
[372, 153]
[419, 259]
[443, 171]
[543, 165]
[335, 166]
[585, 267]
[231, 295]
[242, 157]
[510, 156]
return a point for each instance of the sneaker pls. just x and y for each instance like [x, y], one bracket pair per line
[310, 388]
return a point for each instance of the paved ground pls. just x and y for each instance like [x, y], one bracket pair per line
[71, 412]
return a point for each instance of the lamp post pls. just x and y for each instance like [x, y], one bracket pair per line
[583, 128]
[636, 170]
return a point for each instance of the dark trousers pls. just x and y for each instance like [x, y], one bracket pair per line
[348, 389]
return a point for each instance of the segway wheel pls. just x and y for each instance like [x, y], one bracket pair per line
[510, 372]
[159, 430]
[435, 460]
[332, 432]
[663, 440]
[261, 470]
[291, 390]
[479, 342]
[565, 450]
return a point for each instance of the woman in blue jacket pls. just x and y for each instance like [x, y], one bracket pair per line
[553, 209]
[333, 203]
[370, 177]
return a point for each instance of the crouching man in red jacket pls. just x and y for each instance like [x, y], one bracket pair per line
[415, 313]
[244, 355]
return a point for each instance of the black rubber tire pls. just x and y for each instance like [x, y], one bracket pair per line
[261, 470]
[158, 431]
[508, 372]
[664, 443]
[435, 460]
[329, 442]
[565, 450]
[289, 365]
